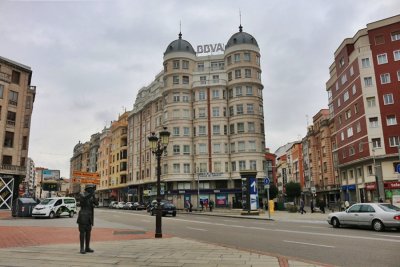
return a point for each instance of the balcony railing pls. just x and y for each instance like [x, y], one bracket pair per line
[12, 168]
[5, 77]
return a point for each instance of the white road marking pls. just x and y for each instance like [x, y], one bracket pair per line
[309, 244]
[145, 220]
[396, 236]
[305, 226]
[197, 229]
[228, 220]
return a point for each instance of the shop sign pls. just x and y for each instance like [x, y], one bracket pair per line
[392, 185]
[210, 48]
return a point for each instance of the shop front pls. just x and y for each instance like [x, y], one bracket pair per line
[392, 190]
[349, 193]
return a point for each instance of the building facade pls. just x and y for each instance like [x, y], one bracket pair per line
[17, 96]
[364, 105]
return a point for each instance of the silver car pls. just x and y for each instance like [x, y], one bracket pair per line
[378, 216]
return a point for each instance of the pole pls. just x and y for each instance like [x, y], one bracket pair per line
[198, 189]
[269, 208]
[41, 184]
[158, 215]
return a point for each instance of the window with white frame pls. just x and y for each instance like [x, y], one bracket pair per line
[354, 89]
[202, 95]
[242, 165]
[176, 113]
[176, 167]
[253, 165]
[342, 136]
[215, 93]
[233, 147]
[247, 73]
[337, 85]
[376, 142]
[241, 146]
[202, 148]
[398, 75]
[258, 60]
[350, 132]
[186, 131]
[238, 91]
[238, 74]
[202, 112]
[185, 98]
[186, 113]
[368, 81]
[232, 128]
[394, 141]
[215, 78]
[175, 64]
[236, 57]
[382, 58]
[351, 71]
[338, 102]
[251, 127]
[217, 166]
[351, 151]
[185, 79]
[373, 122]
[395, 36]
[259, 75]
[385, 78]
[216, 130]
[186, 149]
[391, 120]
[252, 146]
[233, 166]
[175, 79]
[343, 79]
[200, 66]
[186, 168]
[249, 90]
[175, 131]
[346, 96]
[203, 80]
[239, 109]
[348, 114]
[231, 111]
[388, 99]
[203, 167]
[217, 148]
[365, 63]
[358, 127]
[240, 127]
[250, 109]
[215, 111]
[176, 149]
[341, 62]
[185, 64]
[246, 56]
[355, 108]
[202, 130]
[396, 55]
[371, 102]
[176, 97]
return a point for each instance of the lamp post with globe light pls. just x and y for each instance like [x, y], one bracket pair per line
[158, 145]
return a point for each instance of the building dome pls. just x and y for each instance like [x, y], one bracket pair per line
[180, 45]
[241, 37]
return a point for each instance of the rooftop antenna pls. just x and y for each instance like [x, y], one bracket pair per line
[180, 30]
[240, 21]
[307, 119]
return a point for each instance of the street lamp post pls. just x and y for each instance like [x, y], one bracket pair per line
[158, 145]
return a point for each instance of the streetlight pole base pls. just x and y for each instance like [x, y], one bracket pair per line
[158, 235]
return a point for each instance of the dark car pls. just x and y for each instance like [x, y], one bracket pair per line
[138, 206]
[167, 208]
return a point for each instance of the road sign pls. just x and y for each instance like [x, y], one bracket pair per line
[85, 174]
[266, 181]
[398, 168]
[266, 186]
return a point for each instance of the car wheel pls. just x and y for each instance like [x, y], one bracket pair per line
[51, 215]
[152, 213]
[71, 214]
[174, 214]
[377, 225]
[335, 222]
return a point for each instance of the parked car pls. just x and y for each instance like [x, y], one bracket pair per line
[167, 208]
[128, 206]
[138, 206]
[55, 207]
[120, 205]
[113, 205]
[153, 203]
[377, 216]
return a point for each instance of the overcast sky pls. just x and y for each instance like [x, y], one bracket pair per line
[90, 58]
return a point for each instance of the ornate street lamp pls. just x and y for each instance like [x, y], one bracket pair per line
[158, 145]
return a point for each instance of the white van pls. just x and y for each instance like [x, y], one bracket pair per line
[55, 207]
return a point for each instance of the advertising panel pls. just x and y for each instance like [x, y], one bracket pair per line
[51, 175]
[253, 193]
[221, 200]
[6, 192]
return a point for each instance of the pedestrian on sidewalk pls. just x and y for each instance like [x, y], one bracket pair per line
[201, 204]
[322, 205]
[86, 217]
[302, 206]
[211, 205]
[312, 206]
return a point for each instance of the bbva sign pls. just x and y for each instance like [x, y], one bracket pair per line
[210, 48]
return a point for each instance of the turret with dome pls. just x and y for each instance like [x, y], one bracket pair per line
[180, 45]
[241, 37]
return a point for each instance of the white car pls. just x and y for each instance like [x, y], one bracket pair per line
[55, 207]
[377, 216]
[120, 205]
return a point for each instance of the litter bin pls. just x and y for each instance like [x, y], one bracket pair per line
[23, 207]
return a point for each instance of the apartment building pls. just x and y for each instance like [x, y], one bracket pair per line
[17, 96]
[364, 99]
[212, 105]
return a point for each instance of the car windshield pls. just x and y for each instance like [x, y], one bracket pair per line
[389, 207]
[47, 201]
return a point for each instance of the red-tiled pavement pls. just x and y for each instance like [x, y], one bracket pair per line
[22, 236]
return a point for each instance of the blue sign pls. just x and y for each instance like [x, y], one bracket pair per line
[266, 181]
[253, 186]
[398, 168]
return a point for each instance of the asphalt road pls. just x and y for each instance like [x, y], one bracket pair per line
[314, 241]
[308, 240]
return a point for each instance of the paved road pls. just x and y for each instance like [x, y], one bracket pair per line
[310, 240]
